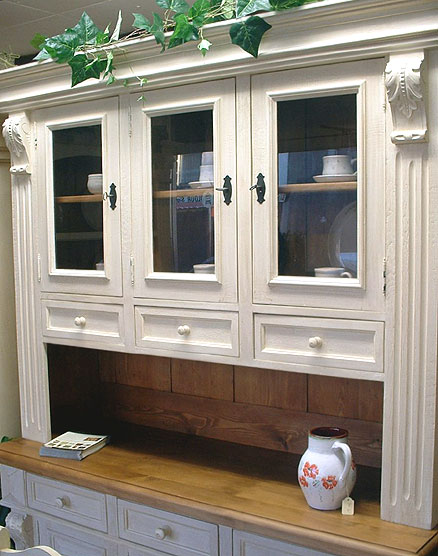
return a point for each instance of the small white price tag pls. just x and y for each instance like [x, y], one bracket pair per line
[348, 506]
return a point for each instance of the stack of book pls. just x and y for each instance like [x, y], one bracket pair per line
[73, 445]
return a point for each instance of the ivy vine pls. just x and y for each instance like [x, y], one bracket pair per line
[89, 51]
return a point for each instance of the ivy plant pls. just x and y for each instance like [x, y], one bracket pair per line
[89, 51]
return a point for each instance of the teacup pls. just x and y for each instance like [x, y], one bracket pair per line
[332, 272]
[337, 164]
[94, 183]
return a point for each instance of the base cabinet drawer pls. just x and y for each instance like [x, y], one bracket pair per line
[70, 541]
[166, 532]
[83, 321]
[323, 342]
[68, 502]
[246, 544]
[186, 330]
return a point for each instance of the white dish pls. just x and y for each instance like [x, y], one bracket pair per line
[342, 239]
[339, 177]
[200, 184]
[204, 268]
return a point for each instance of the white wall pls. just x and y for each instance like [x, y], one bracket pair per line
[9, 399]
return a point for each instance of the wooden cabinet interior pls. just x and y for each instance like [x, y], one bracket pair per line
[249, 406]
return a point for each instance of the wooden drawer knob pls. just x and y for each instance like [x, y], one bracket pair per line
[62, 501]
[315, 342]
[162, 532]
[183, 330]
[80, 321]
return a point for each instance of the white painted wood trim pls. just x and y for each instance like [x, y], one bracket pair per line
[32, 362]
[410, 450]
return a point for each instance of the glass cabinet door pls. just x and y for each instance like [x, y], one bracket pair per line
[318, 199]
[184, 198]
[77, 149]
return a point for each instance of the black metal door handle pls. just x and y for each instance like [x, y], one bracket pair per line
[111, 196]
[227, 190]
[260, 188]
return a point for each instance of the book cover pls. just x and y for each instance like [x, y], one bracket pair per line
[73, 445]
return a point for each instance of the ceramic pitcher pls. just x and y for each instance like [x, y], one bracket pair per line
[326, 471]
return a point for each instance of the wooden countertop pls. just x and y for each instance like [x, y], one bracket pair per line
[248, 489]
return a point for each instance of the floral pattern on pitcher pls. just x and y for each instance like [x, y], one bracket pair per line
[310, 470]
[327, 472]
[329, 482]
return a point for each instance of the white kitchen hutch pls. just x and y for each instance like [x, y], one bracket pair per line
[218, 203]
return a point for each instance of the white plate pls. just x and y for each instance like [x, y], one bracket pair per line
[342, 239]
[200, 184]
[339, 177]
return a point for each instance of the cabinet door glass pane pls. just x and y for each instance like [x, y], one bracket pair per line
[317, 187]
[183, 200]
[77, 183]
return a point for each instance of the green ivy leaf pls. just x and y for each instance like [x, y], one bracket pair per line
[82, 68]
[102, 37]
[109, 64]
[279, 5]
[246, 7]
[157, 29]
[141, 22]
[184, 31]
[38, 41]
[248, 34]
[178, 6]
[110, 79]
[62, 47]
[199, 11]
[86, 30]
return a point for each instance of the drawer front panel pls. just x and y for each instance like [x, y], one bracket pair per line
[193, 331]
[245, 544]
[71, 541]
[168, 532]
[69, 502]
[343, 344]
[84, 321]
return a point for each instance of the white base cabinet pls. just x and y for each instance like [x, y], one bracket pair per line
[79, 521]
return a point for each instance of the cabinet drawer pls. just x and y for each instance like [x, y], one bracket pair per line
[84, 321]
[74, 541]
[69, 502]
[193, 331]
[168, 532]
[334, 343]
[246, 544]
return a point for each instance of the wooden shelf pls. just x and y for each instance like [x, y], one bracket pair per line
[79, 199]
[249, 489]
[318, 187]
[182, 193]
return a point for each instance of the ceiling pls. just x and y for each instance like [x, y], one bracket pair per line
[21, 19]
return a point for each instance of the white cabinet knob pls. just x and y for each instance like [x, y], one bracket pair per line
[183, 330]
[161, 532]
[62, 501]
[315, 342]
[80, 321]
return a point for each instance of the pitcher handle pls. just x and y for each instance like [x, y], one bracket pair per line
[347, 456]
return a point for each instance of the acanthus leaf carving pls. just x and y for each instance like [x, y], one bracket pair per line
[17, 138]
[12, 135]
[406, 96]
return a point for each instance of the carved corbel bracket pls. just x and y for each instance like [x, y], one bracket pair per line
[20, 527]
[16, 132]
[406, 95]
